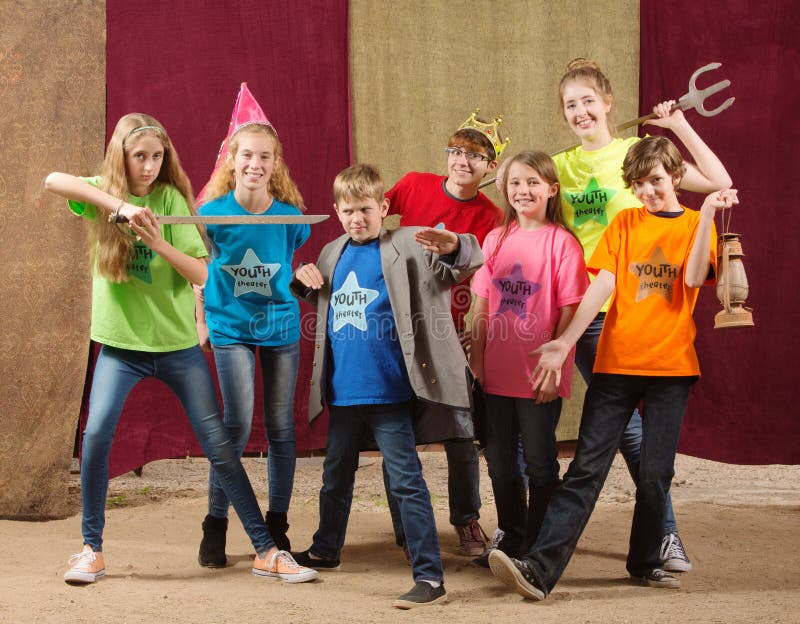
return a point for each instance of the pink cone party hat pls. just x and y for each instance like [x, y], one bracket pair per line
[246, 111]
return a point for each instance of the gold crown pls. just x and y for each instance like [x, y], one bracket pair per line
[487, 129]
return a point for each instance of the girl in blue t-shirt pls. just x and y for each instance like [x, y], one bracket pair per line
[141, 302]
[247, 310]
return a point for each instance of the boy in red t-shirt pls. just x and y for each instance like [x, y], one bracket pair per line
[653, 260]
[454, 200]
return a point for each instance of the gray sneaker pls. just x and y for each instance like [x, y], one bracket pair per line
[658, 578]
[421, 595]
[673, 555]
[516, 574]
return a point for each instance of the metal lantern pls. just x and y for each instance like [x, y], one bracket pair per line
[732, 286]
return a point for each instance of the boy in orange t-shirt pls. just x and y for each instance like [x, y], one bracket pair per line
[652, 259]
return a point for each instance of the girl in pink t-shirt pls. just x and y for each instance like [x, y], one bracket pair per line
[532, 280]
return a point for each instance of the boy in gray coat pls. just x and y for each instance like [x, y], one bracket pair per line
[387, 354]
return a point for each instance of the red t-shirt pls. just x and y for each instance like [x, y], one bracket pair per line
[421, 199]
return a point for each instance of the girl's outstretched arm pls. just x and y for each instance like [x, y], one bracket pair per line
[141, 220]
[707, 174]
[71, 187]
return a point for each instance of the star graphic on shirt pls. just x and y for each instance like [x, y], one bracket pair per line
[350, 303]
[515, 291]
[251, 275]
[139, 265]
[591, 204]
[656, 275]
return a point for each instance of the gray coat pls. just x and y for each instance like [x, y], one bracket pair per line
[418, 284]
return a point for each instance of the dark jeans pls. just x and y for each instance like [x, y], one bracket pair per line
[463, 486]
[509, 419]
[585, 354]
[391, 426]
[607, 409]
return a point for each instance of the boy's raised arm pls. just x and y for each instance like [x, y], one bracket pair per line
[707, 174]
[698, 264]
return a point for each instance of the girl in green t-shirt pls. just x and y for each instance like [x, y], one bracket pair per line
[142, 315]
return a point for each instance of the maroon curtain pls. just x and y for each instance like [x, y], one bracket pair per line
[744, 408]
[183, 62]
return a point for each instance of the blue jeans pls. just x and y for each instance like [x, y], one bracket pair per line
[463, 487]
[117, 371]
[392, 428]
[236, 366]
[607, 409]
[585, 354]
[509, 419]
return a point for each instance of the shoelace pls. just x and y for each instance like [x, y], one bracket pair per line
[672, 548]
[83, 558]
[496, 538]
[475, 533]
[284, 556]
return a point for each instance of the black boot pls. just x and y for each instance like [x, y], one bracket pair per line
[277, 526]
[538, 499]
[212, 547]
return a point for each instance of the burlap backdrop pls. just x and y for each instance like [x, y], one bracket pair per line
[52, 117]
[419, 68]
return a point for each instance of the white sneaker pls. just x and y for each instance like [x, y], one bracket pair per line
[280, 564]
[87, 566]
[673, 555]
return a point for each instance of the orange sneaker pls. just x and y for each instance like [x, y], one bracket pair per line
[280, 564]
[87, 566]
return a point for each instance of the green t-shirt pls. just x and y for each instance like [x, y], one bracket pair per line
[592, 191]
[154, 310]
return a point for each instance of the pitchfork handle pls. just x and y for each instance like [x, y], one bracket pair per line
[643, 118]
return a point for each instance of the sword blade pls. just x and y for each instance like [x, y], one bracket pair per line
[243, 220]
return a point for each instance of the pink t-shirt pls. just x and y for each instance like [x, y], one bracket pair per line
[533, 275]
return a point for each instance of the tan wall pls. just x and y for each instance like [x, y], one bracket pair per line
[419, 68]
[52, 117]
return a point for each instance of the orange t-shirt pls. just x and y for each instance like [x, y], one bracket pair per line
[649, 329]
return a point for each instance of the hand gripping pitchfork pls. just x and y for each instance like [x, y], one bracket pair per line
[693, 99]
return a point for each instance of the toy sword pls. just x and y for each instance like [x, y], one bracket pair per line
[236, 220]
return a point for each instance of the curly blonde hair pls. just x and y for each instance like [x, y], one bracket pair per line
[281, 186]
[111, 248]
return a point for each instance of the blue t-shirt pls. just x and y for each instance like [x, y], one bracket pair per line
[247, 298]
[366, 360]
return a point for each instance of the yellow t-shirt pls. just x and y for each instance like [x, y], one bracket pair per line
[592, 190]
[649, 329]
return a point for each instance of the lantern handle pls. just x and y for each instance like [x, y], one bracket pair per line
[726, 292]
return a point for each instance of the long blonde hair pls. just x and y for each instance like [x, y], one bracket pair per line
[111, 248]
[281, 186]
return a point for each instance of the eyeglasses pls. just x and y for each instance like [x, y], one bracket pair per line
[473, 157]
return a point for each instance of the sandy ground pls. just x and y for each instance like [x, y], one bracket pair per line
[739, 524]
